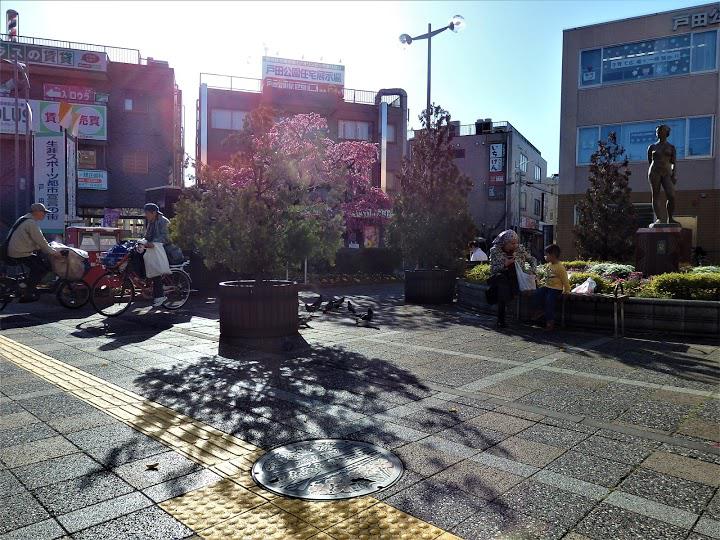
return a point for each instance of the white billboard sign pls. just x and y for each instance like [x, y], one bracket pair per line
[50, 181]
[302, 75]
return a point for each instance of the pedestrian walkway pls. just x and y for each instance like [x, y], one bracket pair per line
[568, 436]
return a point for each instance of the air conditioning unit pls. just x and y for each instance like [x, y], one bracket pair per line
[483, 125]
[455, 128]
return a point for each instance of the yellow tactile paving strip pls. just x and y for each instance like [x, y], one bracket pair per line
[235, 507]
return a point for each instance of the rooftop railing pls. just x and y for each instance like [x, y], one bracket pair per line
[115, 54]
[247, 84]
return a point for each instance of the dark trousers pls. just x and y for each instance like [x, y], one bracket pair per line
[546, 298]
[138, 265]
[506, 286]
[38, 268]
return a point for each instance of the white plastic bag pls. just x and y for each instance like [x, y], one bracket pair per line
[71, 267]
[526, 282]
[586, 287]
[156, 261]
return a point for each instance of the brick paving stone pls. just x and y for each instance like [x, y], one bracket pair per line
[525, 451]
[684, 467]
[408, 478]
[20, 510]
[548, 503]
[103, 511]
[498, 522]
[116, 444]
[630, 450]
[473, 436]
[146, 524]
[501, 422]
[26, 434]
[15, 420]
[713, 508]
[167, 466]
[9, 484]
[590, 468]
[669, 490]
[56, 470]
[81, 491]
[69, 424]
[607, 522]
[48, 529]
[479, 480]
[425, 459]
[699, 427]
[54, 406]
[553, 436]
[33, 452]
[436, 503]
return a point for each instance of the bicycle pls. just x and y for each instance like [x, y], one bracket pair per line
[70, 293]
[113, 292]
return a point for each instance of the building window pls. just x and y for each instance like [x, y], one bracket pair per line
[135, 104]
[391, 133]
[458, 153]
[699, 136]
[538, 173]
[227, 119]
[135, 162]
[523, 162]
[91, 156]
[651, 59]
[537, 207]
[691, 137]
[128, 104]
[523, 201]
[353, 130]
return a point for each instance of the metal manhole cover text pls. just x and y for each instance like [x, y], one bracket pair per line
[326, 469]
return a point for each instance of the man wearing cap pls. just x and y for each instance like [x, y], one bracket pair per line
[24, 243]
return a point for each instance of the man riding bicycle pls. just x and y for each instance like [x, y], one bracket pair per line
[24, 242]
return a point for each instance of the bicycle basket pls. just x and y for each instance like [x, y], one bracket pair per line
[116, 256]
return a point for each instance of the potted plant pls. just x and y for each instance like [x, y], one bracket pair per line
[431, 224]
[279, 200]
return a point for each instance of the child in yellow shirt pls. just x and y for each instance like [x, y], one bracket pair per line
[557, 283]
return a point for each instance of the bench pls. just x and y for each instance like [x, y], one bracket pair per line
[617, 299]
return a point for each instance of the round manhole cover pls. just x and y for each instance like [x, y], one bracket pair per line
[326, 469]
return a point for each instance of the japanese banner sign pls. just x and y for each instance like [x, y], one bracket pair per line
[496, 176]
[700, 19]
[52, 56]
[50, 181]
[92, 123]
[302, 76]
[64, 92]
[92, 179]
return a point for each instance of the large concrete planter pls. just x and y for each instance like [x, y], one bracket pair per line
[691, 317]
[430, 286]
[258, 309]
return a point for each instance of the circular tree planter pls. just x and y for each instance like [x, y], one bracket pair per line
[430, 286]
[258, 309]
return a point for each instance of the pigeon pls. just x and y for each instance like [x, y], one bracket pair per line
[151, 466]
[315, 305]
[365, 319]
[351, 308]
[333, 303]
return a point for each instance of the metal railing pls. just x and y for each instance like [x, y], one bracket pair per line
[247, 84]
[470, 129]
[115, 54]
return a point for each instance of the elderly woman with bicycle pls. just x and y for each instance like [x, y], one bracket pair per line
[156, 237]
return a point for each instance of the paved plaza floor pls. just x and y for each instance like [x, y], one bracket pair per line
[145, 426]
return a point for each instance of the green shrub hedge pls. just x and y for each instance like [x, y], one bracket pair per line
[705, 270]
[478, 274]
[603, 285]
[692, 286]
[577, 265]
[612, 269]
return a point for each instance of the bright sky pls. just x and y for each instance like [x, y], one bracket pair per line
[504, 66]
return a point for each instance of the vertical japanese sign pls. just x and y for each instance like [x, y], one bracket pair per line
[50, 181]
[71, 178]
[496, 175]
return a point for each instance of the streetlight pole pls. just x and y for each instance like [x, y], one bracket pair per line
[457, 23]
[19, 68]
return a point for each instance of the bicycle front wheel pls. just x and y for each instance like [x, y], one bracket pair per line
[112, 294]
[176, 287]
[73, 294]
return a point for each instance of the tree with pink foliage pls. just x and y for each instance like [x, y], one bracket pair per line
[288, 193]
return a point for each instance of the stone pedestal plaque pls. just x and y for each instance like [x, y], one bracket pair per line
[662, 249]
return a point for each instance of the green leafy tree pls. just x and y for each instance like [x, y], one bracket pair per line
[606, 226]
[431, 224]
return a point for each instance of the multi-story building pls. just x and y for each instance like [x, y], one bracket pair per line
[627, 77]
[295, 87]
[128, 112]
[502, 163]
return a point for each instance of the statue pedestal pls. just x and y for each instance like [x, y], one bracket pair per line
[662, 249]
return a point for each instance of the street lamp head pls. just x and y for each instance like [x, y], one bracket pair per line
[457, 24]
[405, 39]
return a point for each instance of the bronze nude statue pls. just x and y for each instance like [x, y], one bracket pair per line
[661, 174]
